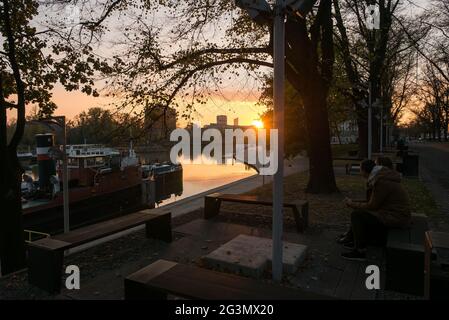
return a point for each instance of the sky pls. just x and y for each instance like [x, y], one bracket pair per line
[239, 99]
[242, 105]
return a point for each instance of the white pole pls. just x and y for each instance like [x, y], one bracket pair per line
[65, 177]
[278, 98]
[370, 123]
[381, 129]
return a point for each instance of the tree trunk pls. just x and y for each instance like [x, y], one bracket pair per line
[302, 71]
[322, 179]
[12, 246]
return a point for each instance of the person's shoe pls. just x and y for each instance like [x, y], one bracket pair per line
[354, 255]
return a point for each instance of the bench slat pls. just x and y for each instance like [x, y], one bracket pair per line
[45, 256]
[197, 283]
[100, 230]
[300, 208]
[251, 199]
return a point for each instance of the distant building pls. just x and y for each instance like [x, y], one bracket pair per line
[345, 133]
[222, 121]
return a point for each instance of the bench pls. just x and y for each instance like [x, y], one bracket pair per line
[350, 162]
[300, 208]
[405, 257]
[45, 256]
[354, 162]
[161, 278]
[436, 264]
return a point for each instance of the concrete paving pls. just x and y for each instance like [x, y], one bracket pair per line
[251, 256]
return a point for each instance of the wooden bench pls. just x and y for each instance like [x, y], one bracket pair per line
[300, 208]
[350, 162]
[163, 277]
[436, 266]
[45, 256]
[354, 162]
[405, 257]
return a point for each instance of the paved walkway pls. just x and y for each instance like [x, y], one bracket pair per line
[104, 267]
[434, 171]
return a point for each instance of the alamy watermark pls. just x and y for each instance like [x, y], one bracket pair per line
[73, 279]
[250, 146]
[372, 282]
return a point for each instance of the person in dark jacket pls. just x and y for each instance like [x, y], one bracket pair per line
[388, 206]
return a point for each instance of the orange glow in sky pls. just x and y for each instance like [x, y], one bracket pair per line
[258, 124]
[234, 105]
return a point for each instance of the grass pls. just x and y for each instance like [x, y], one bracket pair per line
[420, 198]
[341, 150]
[328, 209]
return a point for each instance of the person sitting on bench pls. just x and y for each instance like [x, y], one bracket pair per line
[380, 161]
[388, 207]
[385, 162]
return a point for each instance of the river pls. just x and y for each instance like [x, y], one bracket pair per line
[198, 178]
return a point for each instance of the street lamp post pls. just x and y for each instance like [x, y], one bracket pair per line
[261, 12]
[278, 99]
[381, 128]
[65, 177]
[370, 123]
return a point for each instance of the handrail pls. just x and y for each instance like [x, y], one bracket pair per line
[31, 233]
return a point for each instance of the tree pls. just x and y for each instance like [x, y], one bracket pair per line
[94, 126]
[182, 63]
[296, 137]
[377, 58]
[31, 62]
[432, 117]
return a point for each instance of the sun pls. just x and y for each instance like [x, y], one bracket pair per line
[258, 124]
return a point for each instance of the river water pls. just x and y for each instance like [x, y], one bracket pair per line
[198, 178]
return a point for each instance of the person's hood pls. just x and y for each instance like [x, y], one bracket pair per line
[383, 173]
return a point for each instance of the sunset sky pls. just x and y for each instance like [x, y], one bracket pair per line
[238, 104]
[238, 101]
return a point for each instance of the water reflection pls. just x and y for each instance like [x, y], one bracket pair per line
[205, 174]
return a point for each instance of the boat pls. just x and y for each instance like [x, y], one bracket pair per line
[103, 183]
[167, 178]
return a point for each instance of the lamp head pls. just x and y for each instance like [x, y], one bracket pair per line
[259, 10]
[300, 7]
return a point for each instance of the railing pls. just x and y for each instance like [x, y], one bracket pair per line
[38, 235]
